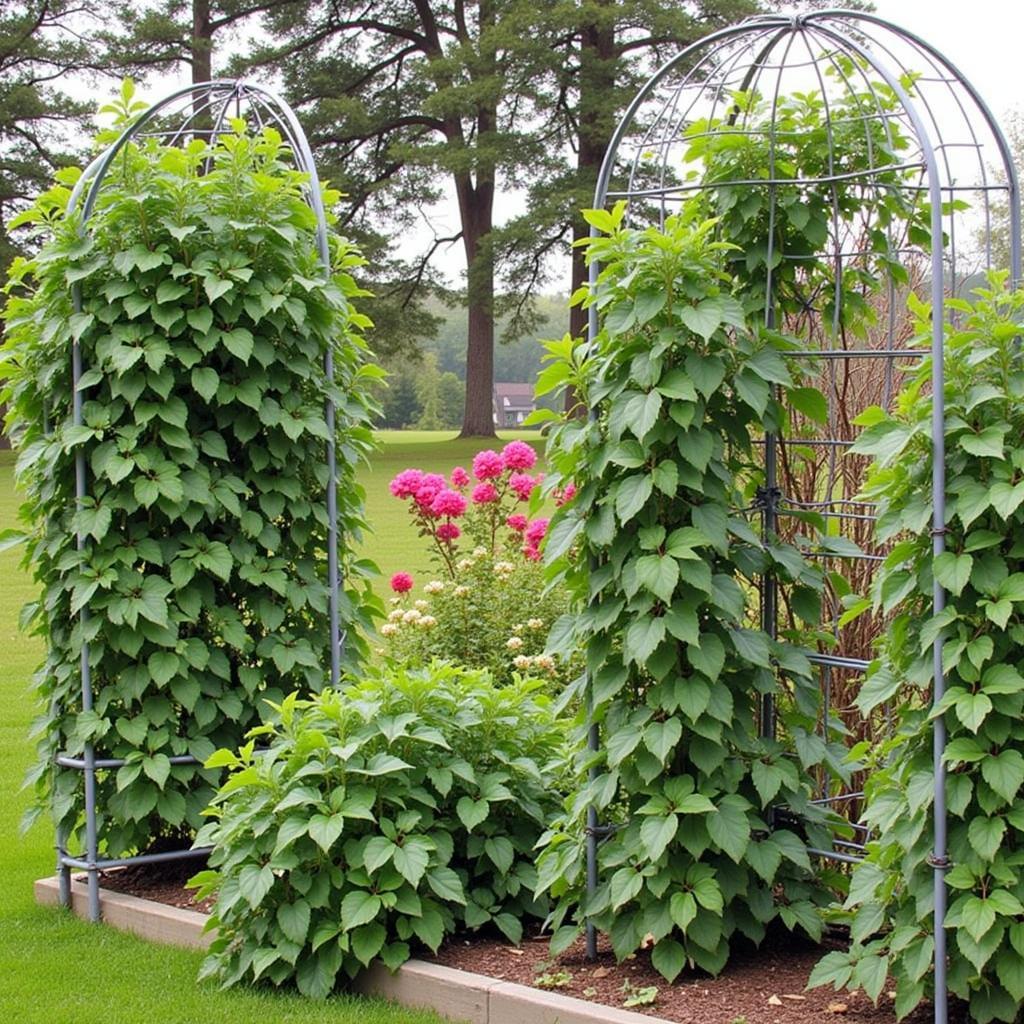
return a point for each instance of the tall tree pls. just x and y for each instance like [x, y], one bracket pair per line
[42, 127]
[409, 97]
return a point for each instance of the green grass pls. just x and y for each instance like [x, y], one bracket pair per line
[56, 969]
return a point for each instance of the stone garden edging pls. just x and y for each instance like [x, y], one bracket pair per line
[459, 995]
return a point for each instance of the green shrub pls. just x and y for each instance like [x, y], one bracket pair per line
[205, 319]
[663, 574]
[982, 627]
[397, 811]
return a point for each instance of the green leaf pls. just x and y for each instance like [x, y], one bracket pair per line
[501, 852]
[472, 812]
[972, 709]
[446, 885]
[294, 920]
[163, 666]
[642, 637]
[683, 909]
[953, 571]
[668, 959]
[656, 833]
[631, 495]
[367, 942]
[985, 836]
[324, 831]
[411, 860]
[703, 319]
[1004, 772]
[379, 850]
[661, 738]
[359, 907]
[658, 574]
[987, 444]
[729, 827]
[205, 380]
[254, 882]
[809, 401]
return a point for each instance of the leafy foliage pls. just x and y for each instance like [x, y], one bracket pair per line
[661, 569]
[982, 630]
[392, 813]
[803, 139]
[204, 322]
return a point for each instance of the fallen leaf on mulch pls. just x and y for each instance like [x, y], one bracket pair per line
[513, 951]
[601, 972]
[837, 1007]
[786, 995]
[774, 1001]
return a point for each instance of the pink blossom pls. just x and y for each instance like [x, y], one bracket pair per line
[485, 494]
[523, 484]
[516, 522]
[406, 483]
[563, 497]
[448, 503]
[535, 531]
[401, 583]
[448, 532]
[430, 487]
[532, 553]
[460, 478]
[518, 455]
[487, 465]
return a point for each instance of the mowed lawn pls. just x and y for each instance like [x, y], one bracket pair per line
[55, 969]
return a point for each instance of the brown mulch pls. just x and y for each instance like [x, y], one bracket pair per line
[760, 986]
[162, 883]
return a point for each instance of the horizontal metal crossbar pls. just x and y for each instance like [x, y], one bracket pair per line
[103, 863]
[836, 661]
[116, 762]
[843, 858]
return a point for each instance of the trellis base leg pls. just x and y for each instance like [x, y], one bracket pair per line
[63, 872]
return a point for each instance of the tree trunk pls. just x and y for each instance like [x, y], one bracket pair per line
[201, 59]
[596, 124]
[475, 207]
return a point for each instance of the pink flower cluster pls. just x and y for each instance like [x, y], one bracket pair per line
[497, 479]
[401, 583]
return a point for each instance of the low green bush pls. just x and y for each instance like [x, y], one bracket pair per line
[396, 811]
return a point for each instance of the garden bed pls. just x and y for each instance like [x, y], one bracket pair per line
[760, 986]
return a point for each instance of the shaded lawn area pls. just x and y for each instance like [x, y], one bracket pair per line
[57, 969]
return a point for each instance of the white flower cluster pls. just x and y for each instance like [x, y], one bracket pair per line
[541, 662]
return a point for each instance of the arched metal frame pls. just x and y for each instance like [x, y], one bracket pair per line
[196, 111]
[956, 140]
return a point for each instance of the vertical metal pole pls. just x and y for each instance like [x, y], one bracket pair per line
[939, 859]
[769, 525]
[89, 754]
[63, 871]
[593, 730]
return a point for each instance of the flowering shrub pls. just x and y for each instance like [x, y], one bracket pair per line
[488, 607]
[390, 814]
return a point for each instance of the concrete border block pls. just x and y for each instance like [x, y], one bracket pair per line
[511, 1003]
[148, 919]
[459, 995]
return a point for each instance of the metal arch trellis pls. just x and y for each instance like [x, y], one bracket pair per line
[955, 142]
[197, 111]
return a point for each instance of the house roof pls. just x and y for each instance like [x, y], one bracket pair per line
[513, 395]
